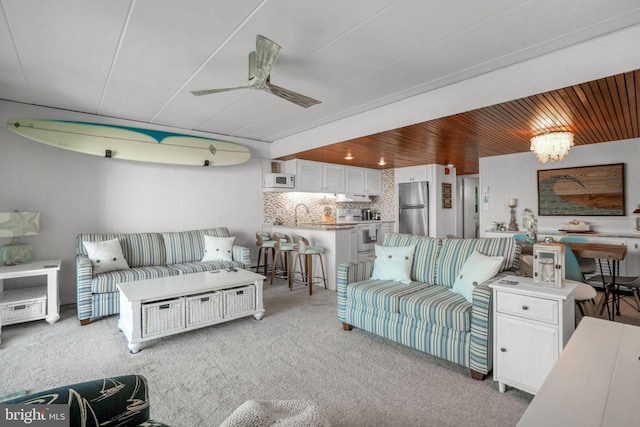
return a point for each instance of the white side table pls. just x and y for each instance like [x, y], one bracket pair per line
[531, 326]
[49, 268]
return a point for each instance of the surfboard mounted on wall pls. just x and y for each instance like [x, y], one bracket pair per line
[129, 143]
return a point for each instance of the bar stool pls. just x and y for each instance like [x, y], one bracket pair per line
[266, 245]
[283, 246]
[304, 250]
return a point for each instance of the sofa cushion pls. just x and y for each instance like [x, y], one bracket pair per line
[139, 249]
[380, 294]
[424, 264]
[218, 248]
[106, 255]
[477, 269]
[106, 282]
[188, 246]
[454, 254]
[438, 305]
[199, 267]
[393, 263]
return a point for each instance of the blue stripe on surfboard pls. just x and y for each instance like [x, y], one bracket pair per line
[158, 135]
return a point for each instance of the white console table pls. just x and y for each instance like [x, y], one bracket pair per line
[49, 268]
[596, 381]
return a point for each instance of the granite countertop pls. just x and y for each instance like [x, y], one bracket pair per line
[328, 225]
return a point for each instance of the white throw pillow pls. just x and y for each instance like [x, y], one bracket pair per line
[477, 269]
[218, 248]
[106, 256]
[393, 263]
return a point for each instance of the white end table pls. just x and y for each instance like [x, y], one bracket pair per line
[49, 268]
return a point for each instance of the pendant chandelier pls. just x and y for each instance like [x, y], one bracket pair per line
[551, 146]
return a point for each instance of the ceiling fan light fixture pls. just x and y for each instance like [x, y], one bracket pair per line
[552, 146]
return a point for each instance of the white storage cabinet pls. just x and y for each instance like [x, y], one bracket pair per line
[532, 324]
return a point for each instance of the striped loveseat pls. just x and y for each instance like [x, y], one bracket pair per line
[149, 256]
[426, 314]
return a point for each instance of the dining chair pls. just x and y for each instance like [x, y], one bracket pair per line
[632, 283]
[585, 295]
[587, 265]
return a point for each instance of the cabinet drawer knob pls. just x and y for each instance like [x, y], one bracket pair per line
[502, 349]
[525, 307]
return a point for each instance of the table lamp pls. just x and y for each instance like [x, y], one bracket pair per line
[16, 224]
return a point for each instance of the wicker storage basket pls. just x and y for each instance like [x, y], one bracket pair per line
[22, 304]
[239, 300]
[203, 308]
[160, 317]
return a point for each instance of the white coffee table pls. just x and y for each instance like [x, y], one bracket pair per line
[138, 295]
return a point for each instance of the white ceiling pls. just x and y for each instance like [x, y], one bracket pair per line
[139, 59]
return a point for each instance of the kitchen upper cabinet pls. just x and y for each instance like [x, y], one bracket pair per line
[333, 178]
[309, 175]
[318, 177]
[355, 180]
[411, 174]
[363, 181]
[373, 182]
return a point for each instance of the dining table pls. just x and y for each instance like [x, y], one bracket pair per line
[601, 252]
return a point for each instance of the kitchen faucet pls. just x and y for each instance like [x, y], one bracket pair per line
[295, 221]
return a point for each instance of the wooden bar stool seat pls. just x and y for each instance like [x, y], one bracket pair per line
[304, 253]
[283, 247]
[266, 245]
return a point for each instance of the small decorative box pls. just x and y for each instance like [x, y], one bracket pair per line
[548, 264]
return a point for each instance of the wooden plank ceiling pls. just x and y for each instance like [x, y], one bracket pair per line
[598, 111]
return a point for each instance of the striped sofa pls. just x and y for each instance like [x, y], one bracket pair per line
[426, 314]
[149, 255]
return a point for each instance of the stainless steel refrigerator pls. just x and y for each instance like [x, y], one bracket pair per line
[413, 206]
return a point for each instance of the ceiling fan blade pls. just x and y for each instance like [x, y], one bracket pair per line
[267, 53]
[222, 89]
[291, 96]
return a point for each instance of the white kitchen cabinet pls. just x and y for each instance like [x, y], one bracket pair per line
[386, 227]
[532, 324]
[363, 181]
[411, 174]
[372, 182]
[333, 177]
[317, 177]
[309, 175]
[355, 180]
[632, 260]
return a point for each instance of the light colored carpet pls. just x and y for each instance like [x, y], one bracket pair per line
[298, 351]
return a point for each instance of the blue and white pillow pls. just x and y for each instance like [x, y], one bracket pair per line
[393, 263]
[476, 269]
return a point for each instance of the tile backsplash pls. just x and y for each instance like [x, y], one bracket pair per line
[280, 207]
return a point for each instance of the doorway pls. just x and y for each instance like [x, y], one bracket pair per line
[468, 220]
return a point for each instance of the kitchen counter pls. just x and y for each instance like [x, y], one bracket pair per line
[339, 240]
[327, 225]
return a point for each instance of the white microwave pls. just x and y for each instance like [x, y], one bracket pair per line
[279, 180]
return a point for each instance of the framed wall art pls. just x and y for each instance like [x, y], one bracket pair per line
[587, 190]
[446, 195]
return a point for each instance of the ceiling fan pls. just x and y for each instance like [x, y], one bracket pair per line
[260, 63]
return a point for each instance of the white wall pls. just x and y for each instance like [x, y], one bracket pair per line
[515, 176]
[78, 193]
